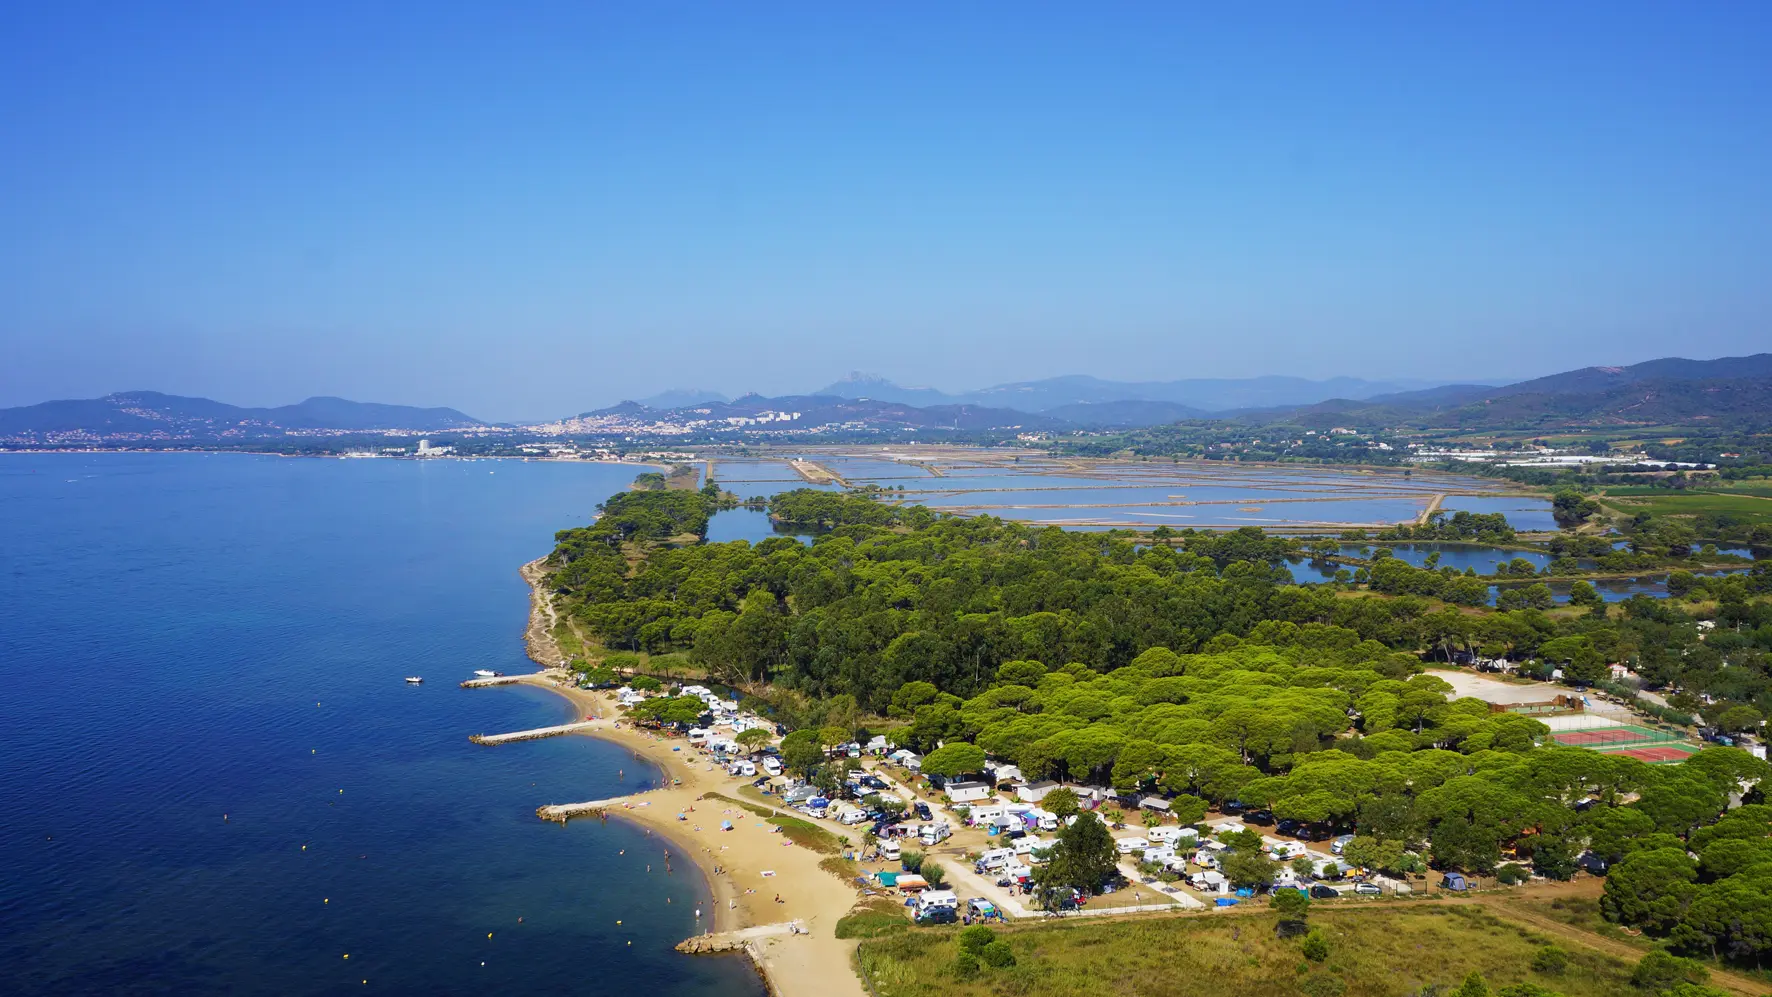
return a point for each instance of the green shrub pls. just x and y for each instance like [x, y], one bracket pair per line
[1512, 874]
[934, 874]
[975, 938]
[1658, 971]
[965, 965]
[1315, 947]
[1551, 961]
[998, 954]
[1323, 985]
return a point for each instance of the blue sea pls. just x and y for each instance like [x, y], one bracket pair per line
[216, 781]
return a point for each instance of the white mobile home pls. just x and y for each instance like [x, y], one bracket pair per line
[968, 792]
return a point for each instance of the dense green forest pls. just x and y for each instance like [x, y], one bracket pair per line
[889, 595]
[1186, 663]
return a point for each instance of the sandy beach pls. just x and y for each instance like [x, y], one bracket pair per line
[749, 868]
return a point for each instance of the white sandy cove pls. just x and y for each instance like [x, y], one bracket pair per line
[757, 865]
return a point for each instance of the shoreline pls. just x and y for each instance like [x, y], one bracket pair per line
[742, 867]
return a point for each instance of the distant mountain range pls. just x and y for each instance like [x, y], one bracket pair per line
[1734, 391]
[150, 414]
[1190, 398]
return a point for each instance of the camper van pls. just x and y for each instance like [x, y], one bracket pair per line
[935, 833]
[1026, 846]
[982, 816]
[818, 806]
[772, 765]
[1046, 821]
[890, 850]
[852, 815]
[933, 900]
[994, 859]
[742, 768]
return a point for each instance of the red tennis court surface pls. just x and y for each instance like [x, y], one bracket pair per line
[1660, 753]
[1605, 735]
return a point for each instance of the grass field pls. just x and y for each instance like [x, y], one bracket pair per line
[800, 832]
[1372, 952]
[1661, 502]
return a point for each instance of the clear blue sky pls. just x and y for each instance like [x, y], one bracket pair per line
[530, 209]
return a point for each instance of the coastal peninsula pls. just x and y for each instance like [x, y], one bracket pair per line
[757, 876]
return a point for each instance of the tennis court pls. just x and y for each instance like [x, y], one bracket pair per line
[1594, 737]
[1659, 754]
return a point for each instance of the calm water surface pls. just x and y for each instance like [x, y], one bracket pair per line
[192, 636]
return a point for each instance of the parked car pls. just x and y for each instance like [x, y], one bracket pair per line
[1263, 817]
[924, 812]
[1367, 889]
[1289, 828]
[1321, 892]
[1340, 843]
[938, 915]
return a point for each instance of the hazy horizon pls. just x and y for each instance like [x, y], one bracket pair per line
[525, 214]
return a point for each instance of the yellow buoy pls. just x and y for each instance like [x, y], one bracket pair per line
[489, 934]
[327, 900]
[347, 955]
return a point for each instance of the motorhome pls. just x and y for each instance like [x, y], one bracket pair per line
[985, 815]
[772, 765]
[1159, 853]
[1046, 821]
[934, 833]
[818, 806]
[890, 850]
[1167, 835]
[852, 815]
[932, 899]
[994, 859]
[742, 768]
[1026, 846]
[1286, 851]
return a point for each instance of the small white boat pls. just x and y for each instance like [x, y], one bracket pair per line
[414, 679]
[486, 674]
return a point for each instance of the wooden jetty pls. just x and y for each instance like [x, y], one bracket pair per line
[537, 733]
